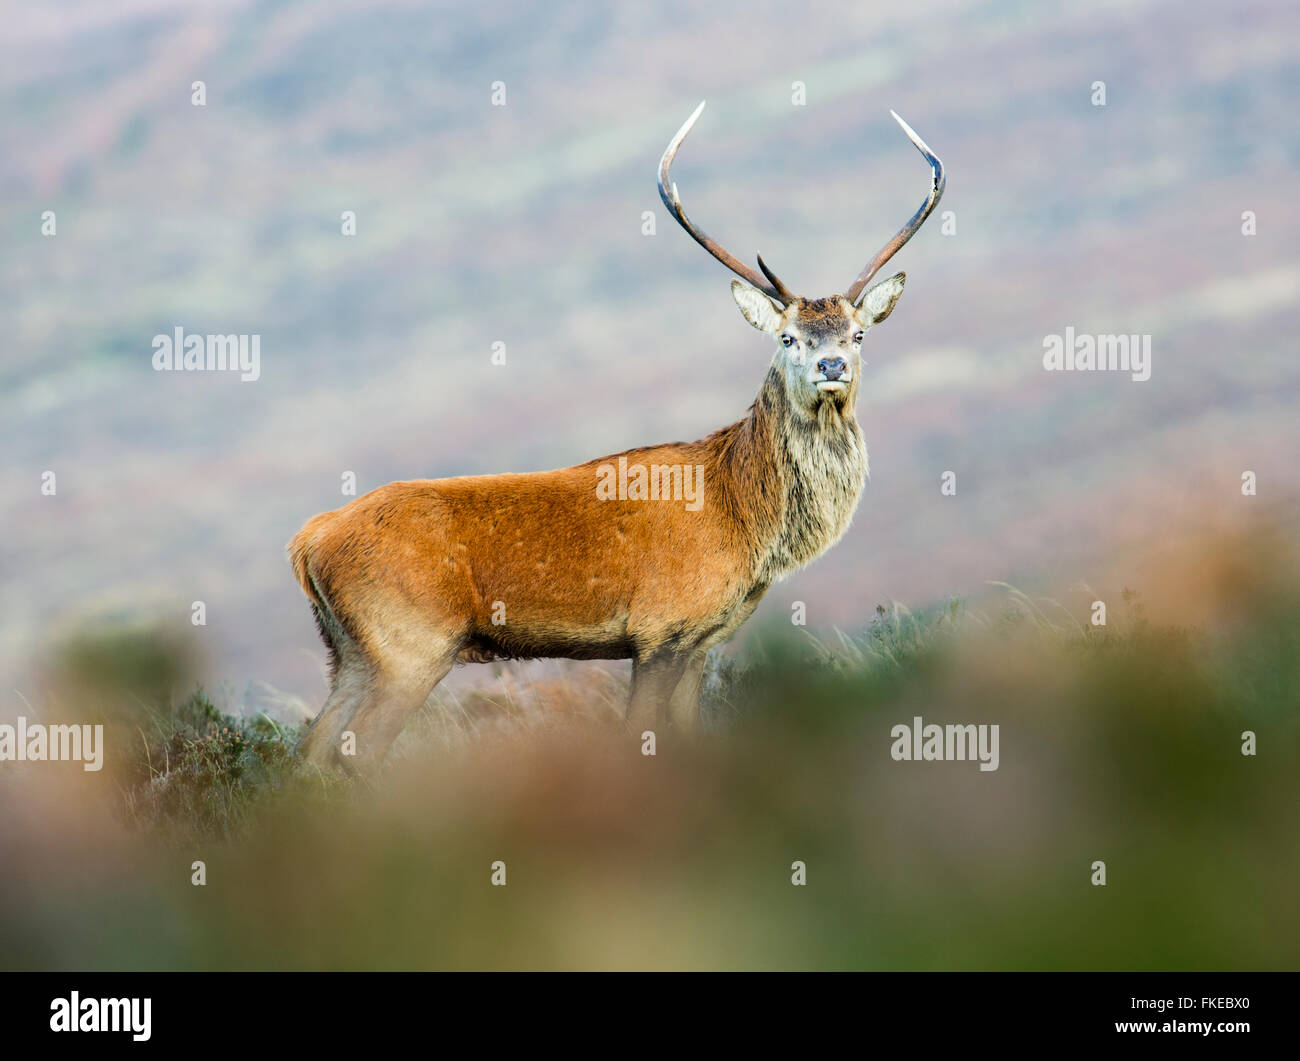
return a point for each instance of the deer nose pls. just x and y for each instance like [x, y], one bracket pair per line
[831, 367]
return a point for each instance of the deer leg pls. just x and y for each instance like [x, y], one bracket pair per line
[351, 682]
[654, 677]
[401, 687]
[684, 704]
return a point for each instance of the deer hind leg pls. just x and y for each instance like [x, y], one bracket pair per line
[377, 684]
[350, 680]
[413, 660]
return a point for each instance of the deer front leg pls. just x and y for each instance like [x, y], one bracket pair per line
[654, 678]
[684, 705]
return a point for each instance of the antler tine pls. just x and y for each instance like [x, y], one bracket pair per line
[668, 193]
[937, 182]
[782, 292]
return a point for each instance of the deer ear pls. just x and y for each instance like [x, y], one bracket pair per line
[878, 302]
[759, 310]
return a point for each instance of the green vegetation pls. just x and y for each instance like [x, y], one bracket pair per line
[201, 771]
[196, 771]
[1120, 745]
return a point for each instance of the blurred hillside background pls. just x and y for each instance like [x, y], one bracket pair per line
[523, 224]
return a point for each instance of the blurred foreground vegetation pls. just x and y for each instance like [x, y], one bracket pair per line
[1120, 744]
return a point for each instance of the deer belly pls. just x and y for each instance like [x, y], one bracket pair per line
[548, 640]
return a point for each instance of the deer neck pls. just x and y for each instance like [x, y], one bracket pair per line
[800, 475]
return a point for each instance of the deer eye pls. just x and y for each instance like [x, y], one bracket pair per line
[857, 337]
[787, 340]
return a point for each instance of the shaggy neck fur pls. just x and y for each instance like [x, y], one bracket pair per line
[798, 474]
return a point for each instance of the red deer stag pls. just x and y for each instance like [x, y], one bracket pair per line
[656, 554]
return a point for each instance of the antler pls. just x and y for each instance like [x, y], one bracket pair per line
[775, 289]
[937, 182]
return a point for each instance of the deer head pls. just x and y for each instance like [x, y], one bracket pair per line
[820, 351]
